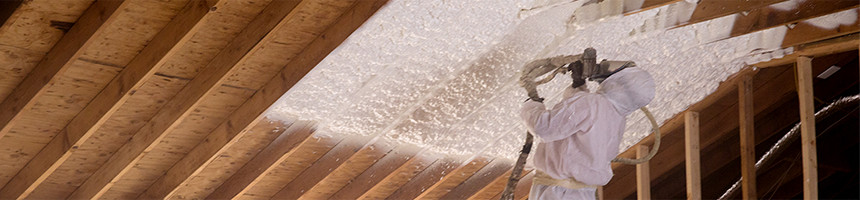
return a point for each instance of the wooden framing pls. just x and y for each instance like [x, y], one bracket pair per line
[692, 149]
[768, 17]
[378, 172]
[643, 178]
[426, 180]
[747, 137]
[807, 127]
[92, 117]
[276, 152]
[487, 174]
[178, 108]
[250, 112]
[68, 49]
[712, 9]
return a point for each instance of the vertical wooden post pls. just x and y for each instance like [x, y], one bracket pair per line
[807, 127]
[691, 143]
[643, 177]
[600, 193]
[747, 135]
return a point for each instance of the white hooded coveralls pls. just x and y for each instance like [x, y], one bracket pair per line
[580, 135]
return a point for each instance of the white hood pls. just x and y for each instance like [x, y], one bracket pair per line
[628, 89]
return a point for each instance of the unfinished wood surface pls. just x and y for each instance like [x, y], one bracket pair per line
[692, 149]
[523, 187]
[331, 162]
[768, 17]
[402, 175]
[747, 137]
[106, 103]
[169, 117]
[376, 173]
[643, 177]
[480, 179]
[498, 185]
[275, 152]
[451, 180]
[804, 32]
[250, 111]
[712, 9]
[428, 178]
[357, 164]
[67, 50]
[279, 175]
[231, 161]
[825, 47]
[807, 127]
[27, 35]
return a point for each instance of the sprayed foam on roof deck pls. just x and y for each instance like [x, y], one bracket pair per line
[440, 74]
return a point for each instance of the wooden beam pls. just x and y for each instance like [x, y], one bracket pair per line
[692, 149]
[805, 32]
[825, 47]
[89, 27]
[498, 185]
[371, 177]
[712, 9]
[275, 153]
[523, 187]
[643, 178]
[747, 137]
[807, 127]
[111, 98]
[426, 180]
[401, 176]
[179, 107]
[251, 111]
[768, 17]
[480, 179]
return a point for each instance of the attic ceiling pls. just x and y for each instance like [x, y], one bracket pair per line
[370, 99]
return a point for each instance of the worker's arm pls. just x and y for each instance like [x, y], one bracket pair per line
[559, 123]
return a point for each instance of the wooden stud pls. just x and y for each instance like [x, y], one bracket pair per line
[825, 47]
[747, 137]
[275, 153]
[643, 178]
[807, 127]
[692, 149]
[712, 9]
[401, 176]
[179, 107]
[96, 113]
[480, 179]
[806, 32]
[57, 61]
[426, 180]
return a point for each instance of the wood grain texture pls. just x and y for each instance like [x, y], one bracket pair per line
[643, 175]
[386, 166]
[480, 179]
[401, 176]
[106, 103]
[746, 126]
[807, 127]
[692, 150]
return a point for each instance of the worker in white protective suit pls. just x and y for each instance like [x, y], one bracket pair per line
[579, 136]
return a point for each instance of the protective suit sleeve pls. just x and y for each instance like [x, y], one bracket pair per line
[558, 123]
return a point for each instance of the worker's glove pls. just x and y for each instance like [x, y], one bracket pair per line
[576, 74]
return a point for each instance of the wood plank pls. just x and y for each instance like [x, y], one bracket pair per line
[250, 112]
[426, 180]
[275, 178]
[68, 49]
[481, 179]
[643, 178]
[805, 32]
[747, 137]
[320, 169]
[825, 47]
[376, 173]
[276, 152]
[770, 16]
[498, 185]
[712, 9]
[115, 94]
[177, 108]
[523, 187]
[692, 149]
[401, 176]
[807, 127]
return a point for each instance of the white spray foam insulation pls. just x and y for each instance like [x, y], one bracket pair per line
[441, 74]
